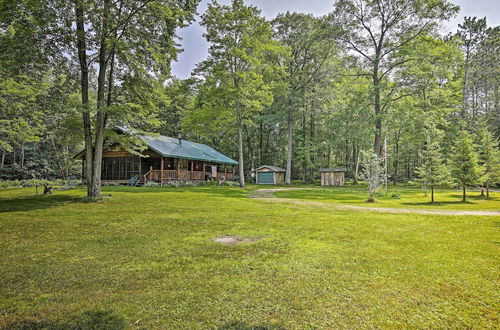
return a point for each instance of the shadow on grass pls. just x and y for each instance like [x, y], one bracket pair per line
[88, 320]
[438, 203]
[29, 203]
[321, 196]
[224, 191]
[238, 325]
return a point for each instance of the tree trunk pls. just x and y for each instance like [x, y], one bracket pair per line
[240, 152]
[487, 191]
[101, 104]
[377, 144]
[312, 160]
[305, 154]
[357, 168]
[84, 83]
[466, 81]
[261, 138]
[288, 176]
[464, 196]
[432, 194]
[250, 150]
[22, 155]
[3, 158]
[396, 158]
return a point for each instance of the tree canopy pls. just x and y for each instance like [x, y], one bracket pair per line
[296, 91]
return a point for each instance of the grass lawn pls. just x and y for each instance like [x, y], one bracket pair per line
[407, 197]
[146, 258]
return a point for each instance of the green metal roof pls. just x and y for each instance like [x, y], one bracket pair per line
[174, 148]
[179, 148]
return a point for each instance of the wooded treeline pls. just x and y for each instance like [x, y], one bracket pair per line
[298, 91]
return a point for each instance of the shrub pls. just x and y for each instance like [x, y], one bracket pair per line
[30, 183]
[395, 196]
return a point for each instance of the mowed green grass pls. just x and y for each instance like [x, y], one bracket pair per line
[408, 197]
[146, 259]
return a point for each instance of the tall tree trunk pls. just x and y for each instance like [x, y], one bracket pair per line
[432, 194]
[396, 158]
[3, 158]
[101, 104]
[240, 153]
[22, 155]
[464, 196]
[84, 83]
[377, 144]
[312, 133]
[305, 154]
[466, 82]
[288, 176]
[250, 150]
[261, 138]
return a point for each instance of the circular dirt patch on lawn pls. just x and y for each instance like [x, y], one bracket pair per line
[231, 239]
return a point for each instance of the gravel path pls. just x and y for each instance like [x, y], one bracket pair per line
[268, 195]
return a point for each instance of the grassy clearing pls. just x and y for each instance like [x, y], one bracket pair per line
[146, 258]
[408, 197]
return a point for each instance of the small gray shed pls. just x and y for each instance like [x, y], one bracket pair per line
[270, 175]
[332, 176]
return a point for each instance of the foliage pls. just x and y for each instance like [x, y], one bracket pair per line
[236, 73]
[433, 169]
[465, 168]
[489, 157]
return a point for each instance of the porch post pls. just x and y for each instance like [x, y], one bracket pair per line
[140, 168]
[178, 169]
[204, 172]
[192, 168]
[161, 170]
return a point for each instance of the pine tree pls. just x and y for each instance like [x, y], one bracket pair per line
[490, 159]
[433, 170]
[465, 168]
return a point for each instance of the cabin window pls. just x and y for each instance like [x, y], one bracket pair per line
[198, 166]
[168, 164]
[120, 168]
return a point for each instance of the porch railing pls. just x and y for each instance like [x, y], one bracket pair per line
[228, 176]
[183, 175]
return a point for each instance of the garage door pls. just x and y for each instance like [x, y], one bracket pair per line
[266, 177]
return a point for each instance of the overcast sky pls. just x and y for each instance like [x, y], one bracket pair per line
[196, 48]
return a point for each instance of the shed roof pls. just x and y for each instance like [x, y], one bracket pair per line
[339, 169]
[272, 168]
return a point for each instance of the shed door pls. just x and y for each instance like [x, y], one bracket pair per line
[266, 177]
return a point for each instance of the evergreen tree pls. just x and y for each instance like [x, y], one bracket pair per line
[490, 159]
[465, 168]
[433, 171]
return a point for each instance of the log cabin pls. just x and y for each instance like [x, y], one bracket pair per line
[165, 159]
